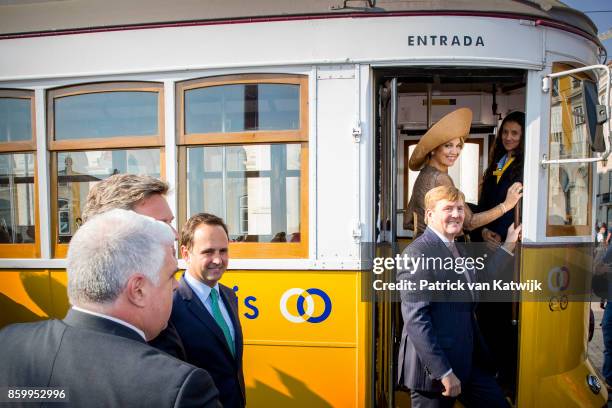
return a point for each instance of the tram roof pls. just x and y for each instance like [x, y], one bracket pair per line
[48, 17]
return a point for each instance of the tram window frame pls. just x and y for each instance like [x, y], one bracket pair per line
[125, 141]
[554, 230]
[90, 144]
[249, 250]
[30, 249]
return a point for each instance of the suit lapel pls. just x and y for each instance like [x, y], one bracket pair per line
[195, 306]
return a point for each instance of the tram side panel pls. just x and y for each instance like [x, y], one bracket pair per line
[553, 364]
[336, 178]
[30, 295]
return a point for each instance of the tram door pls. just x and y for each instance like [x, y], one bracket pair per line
[409, 101]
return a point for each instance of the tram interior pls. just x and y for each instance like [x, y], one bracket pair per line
[408, 101]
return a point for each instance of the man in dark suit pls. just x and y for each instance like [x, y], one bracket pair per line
[441, 343]
[205, 312]
[121, 269]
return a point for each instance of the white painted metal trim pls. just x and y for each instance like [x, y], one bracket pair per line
[377, 62]
[234, 264]
[357, 135]
[32, 264]
[444, 60]
[366, 175]
[156, 76]
[170, 155]
[534, 177]
[312, 164]
[43, 176]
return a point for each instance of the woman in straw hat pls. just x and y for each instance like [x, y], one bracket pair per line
[436, 151]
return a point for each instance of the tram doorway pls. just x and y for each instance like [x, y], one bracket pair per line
[409, 100]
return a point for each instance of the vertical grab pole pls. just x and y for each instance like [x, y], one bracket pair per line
[393, 234]
[393, 164]
[517, 263]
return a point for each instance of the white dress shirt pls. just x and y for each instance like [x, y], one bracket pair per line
[112, 318]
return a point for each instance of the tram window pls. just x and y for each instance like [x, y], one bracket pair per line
[569, 184]
[119, 114]
[18, 209]
[222, 179]
[94, 131]
[244, 157]
[106, 114]
[78, 171]
[15, 119]
[17, 198]
[242, 107]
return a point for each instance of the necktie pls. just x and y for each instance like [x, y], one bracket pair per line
[466, 274]
[453, 248]
[216, 312]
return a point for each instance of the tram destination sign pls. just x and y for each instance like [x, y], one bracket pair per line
[439, 40]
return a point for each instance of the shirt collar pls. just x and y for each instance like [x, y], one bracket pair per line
[200, 288]
[440, 235]
[112, 318]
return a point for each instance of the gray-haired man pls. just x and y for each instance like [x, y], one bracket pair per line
[121, 269]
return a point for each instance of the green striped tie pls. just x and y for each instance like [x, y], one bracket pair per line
[216, 312]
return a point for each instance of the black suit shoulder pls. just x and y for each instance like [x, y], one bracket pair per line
[100, 369]
[16, 339]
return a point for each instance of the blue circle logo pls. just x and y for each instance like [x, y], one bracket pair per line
[305, 305]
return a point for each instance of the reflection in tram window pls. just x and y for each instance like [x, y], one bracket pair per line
[15, 119]
[17, 198]
[569, 203]
[242, 107]
[106, 114]
[78, 172]
[255, 188]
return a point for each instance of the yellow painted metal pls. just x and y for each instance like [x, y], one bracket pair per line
[553, 363]
[24, 296]
[303, 364]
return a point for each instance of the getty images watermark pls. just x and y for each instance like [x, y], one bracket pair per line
[478, 272]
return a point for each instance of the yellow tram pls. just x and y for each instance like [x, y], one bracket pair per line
[294, 122]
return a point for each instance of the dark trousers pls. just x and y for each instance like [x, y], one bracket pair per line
[606, 328]
[480, 391]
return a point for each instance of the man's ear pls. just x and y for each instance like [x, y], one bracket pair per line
[428, 213]
[136, 290]
[185, 253]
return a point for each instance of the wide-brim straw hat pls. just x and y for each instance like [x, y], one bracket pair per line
[453, 125]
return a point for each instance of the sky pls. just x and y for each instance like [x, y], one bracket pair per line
[603, 19]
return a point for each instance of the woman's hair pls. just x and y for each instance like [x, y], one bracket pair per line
[498, 151]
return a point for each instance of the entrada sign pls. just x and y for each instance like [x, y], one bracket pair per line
[445, 40]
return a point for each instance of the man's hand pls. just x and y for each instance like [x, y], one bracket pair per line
[451, 384]
[492, 239]
[512, 236]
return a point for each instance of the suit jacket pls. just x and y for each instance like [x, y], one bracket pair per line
[193, 335]
[99, 363]
[437, 335]
[494, 193]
